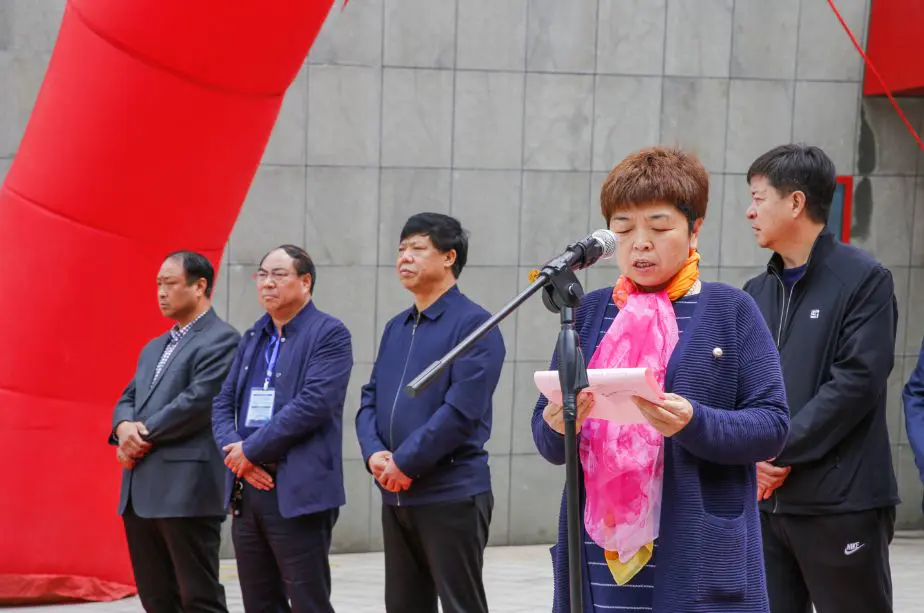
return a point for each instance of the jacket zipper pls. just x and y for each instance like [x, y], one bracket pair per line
[786, 304]
[779, 341]
[394, 405]
[788, 299]
[779, 333]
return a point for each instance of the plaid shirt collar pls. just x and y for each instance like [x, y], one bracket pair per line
[177, 333]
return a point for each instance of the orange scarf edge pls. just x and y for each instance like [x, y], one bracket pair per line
[678, 286]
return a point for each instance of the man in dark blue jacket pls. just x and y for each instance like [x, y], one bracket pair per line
[427, 452]
[913, 398]
[279, 420]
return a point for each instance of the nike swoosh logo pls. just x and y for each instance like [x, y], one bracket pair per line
[853, 548]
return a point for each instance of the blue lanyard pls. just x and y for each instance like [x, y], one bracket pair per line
[270, 360]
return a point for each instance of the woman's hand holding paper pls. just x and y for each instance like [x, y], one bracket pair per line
[669, 416]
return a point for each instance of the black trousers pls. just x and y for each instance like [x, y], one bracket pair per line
[283, 563]
[175, 562]
[436, 550]
[839, 563]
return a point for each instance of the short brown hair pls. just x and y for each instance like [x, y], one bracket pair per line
[657, 174]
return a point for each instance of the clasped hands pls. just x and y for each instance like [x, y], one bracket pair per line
[387, 473]
[770, 478]
[132, 446]
[669, 416]
[238, 463]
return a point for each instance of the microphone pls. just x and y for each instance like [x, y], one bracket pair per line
[600, 245]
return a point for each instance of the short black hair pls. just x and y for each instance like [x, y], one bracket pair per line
[196, 266]
[799, 167]
[445, 232]
[302, 262]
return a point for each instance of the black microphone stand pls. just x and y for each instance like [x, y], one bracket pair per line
[562, 293]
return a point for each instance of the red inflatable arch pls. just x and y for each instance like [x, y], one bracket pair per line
[145, 138]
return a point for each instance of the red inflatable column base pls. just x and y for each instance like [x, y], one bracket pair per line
[45, 589]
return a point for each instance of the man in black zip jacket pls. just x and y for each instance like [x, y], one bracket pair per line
[828, 500]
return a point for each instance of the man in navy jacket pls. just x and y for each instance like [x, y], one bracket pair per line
[913, 398]
[279, 420]
[427, 452]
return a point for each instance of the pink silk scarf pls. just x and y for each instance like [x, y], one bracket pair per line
[624, 463]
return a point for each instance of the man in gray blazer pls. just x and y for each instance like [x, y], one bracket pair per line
[172, 500]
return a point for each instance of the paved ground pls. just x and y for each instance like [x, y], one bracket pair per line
[518, 581]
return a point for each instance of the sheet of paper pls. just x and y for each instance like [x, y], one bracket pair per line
[613, 389]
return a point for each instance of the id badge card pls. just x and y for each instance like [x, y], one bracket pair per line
[260, 409]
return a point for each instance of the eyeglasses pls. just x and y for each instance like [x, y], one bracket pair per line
[262, 276]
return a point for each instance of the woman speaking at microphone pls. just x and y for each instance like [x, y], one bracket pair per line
[670, 504]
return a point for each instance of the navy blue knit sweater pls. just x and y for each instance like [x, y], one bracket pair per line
[709, 557]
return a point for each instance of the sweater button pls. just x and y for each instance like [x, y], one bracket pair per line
[717, 352]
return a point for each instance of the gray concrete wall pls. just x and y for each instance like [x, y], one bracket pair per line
[888, 221]
[508, 114]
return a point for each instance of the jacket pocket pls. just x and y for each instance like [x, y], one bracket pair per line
[184, 455]
[560, 588]
[722, 560]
